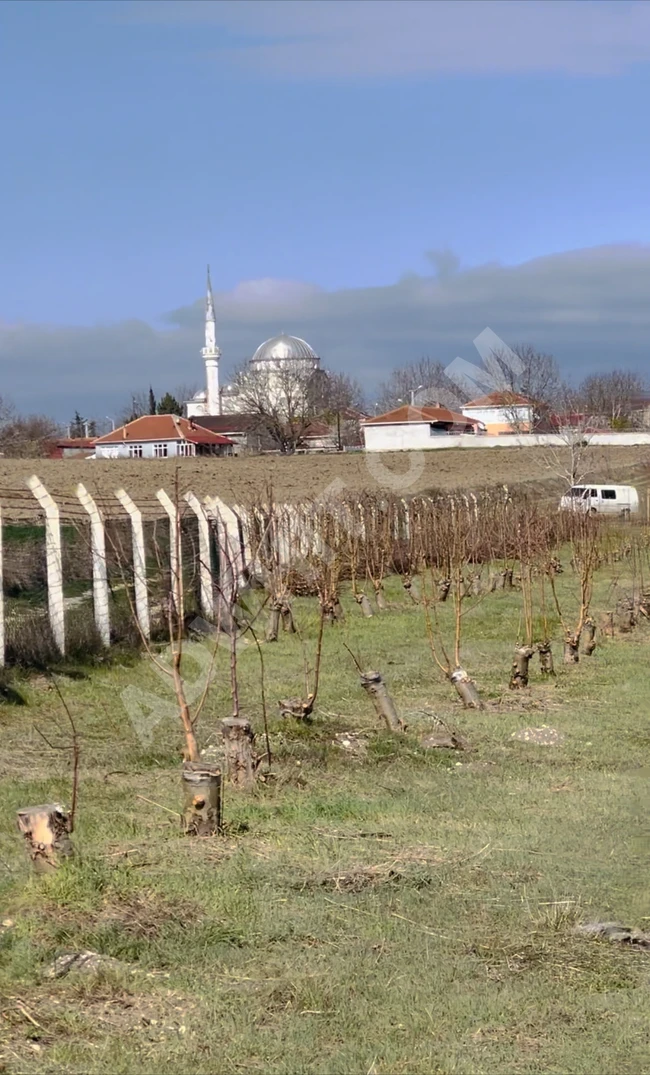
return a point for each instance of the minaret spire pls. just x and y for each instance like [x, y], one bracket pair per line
[211, 354]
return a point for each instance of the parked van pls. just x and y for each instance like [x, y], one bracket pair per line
[602, 499]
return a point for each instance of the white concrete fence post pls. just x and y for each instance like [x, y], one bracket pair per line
[53, 559]
[100, 574]
[175, 551]
[205, 564]
[139, 562]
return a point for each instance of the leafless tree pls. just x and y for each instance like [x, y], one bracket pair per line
[280, 399]
[535, 375]
[611, 396]
[26, 436]
[423, 382]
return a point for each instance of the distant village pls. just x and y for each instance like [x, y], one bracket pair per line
[282, 400]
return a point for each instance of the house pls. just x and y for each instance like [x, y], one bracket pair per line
[72, 448]
[161, 436]
[242, 429]
[408, 428]
[502, 412]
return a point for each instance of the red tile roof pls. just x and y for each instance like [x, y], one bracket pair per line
[421, 414]
[499, 399]
[162, 427]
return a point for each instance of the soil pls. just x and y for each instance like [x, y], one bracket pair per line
[245, 479]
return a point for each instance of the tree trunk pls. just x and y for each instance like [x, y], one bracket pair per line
[607, 624]
[202, 799]
[47, 834]
[274, 622]
[493, 582]
[239, 748]
[589, 631]
[364, 604]
[328, 612]
[337, 611]
[287, 619]
[507, 579]
[466, 688]
[444, 586]
[373, 684]
[626, 621]
[476, 589]
[407, 583]
[571, 648]
[520, 662]
[545, 658]
[380, 599]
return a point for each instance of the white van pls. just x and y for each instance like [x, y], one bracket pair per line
[602, 499]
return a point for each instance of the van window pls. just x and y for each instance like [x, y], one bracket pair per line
[608, 494]
[593, 492]
[578, 490]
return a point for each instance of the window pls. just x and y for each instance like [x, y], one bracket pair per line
[184, 448]
[135, 451]
[608, 494]
[578, 490]
[593, 492]
[160, 451]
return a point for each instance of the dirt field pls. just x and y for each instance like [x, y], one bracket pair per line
[244, 479]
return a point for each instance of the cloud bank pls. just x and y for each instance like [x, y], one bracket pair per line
[415, 38]
[591, 308]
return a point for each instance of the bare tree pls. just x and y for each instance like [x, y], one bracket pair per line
[534, 375]
[424, 383]
[611, 395]
[26, 436]
[280, 399]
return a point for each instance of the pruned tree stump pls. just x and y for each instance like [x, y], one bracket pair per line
[201, 799]
[476, 587]
[507, 579]
[364, 604]
[46, 830]
[443, 586]
[287, 618]
[493, 582]
[239, 750]
[466, 689]
[298, 708]
[545, 652]
[520, 663]
[381, 602]
[337, 611]
[571, 648]
[589, 636]
[625, 618]
[607, 624]
[407, 583]
[273, 627]
[373, 684]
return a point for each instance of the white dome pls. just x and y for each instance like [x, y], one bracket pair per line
[200, 395]
[284, 347]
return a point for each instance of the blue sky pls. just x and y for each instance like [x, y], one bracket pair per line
[316, 154]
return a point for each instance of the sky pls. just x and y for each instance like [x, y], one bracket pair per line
[386, 179]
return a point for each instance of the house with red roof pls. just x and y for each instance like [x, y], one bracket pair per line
[502, 412]
[408, 428]
[161, 436]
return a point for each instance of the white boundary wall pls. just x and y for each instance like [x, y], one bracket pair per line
[416, 436]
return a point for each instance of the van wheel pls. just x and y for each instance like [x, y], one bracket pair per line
[593, 511]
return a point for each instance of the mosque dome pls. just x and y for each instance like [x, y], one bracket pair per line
[284, 347]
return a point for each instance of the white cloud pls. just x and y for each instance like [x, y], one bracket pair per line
[590, 308]
[396, 38]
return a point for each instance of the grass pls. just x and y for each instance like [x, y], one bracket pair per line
[389, 910]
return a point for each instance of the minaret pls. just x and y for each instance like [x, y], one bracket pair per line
[211, 355]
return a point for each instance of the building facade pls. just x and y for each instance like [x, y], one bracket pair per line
[161, 436]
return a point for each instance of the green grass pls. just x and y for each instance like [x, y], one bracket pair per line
[397, 911]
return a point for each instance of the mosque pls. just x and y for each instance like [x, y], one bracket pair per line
[273, 357]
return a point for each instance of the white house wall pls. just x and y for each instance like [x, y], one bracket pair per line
[121, 450]
[498, 415]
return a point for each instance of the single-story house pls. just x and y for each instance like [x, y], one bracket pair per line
[72, 448]
[408, 428]
[242, 429]
[502, 412]
[161, 436]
